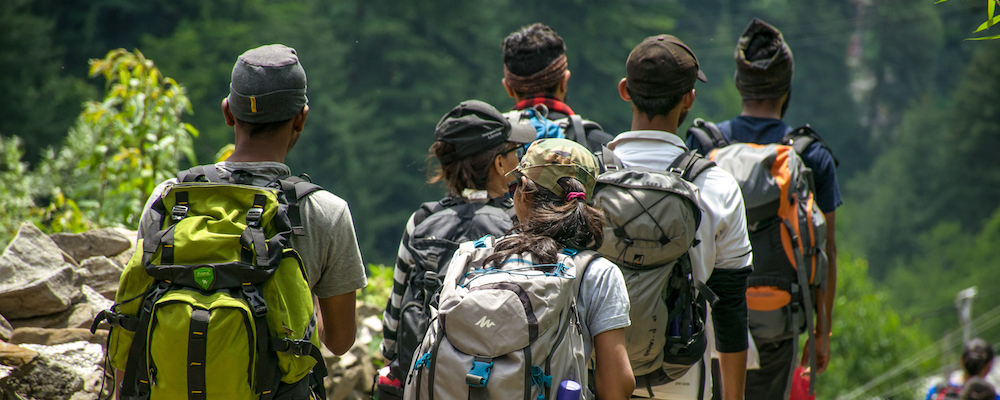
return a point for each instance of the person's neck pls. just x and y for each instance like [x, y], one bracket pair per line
[260, 147]
[664, 122]
[761, 111]
[519, 98]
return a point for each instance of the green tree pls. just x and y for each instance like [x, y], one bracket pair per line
[872, 345]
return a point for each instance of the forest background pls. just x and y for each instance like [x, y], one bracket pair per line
[909, 108]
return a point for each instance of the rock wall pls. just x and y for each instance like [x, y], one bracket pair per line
[52, 287]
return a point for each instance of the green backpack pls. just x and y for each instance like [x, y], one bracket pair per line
[219, 300]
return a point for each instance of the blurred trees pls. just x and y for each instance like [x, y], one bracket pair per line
[890, 85]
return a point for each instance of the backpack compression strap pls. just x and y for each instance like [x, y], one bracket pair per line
[804, 136]
[708, 135]
[295, 189]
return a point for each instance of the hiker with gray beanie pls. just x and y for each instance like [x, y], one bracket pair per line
[267, 108]
[764, 70]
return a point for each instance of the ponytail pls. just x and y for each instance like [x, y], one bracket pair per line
[555, 223]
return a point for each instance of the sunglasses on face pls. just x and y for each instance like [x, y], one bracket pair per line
[519, 152]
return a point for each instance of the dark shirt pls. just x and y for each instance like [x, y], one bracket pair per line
[770, 130]
[596, 136]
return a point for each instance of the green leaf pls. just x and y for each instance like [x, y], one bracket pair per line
[987, 24]
[985, 38]
[940, 1]
[992, 8]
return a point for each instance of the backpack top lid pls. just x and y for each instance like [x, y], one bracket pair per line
[651, 216]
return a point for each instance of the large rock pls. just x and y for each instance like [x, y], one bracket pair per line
[63, 372]
[15, 356]
[50, 337]
[80, 315]
[5, 329]
[105, 242]
[35, 279]
[102, 274]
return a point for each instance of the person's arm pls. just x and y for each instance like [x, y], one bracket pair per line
[339, 322]
[613, 377]
[733, 371]
[825, 321]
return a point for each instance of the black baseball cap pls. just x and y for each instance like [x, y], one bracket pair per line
[662, 66]
[475, 126]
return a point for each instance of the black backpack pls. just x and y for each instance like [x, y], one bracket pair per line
[439, 228]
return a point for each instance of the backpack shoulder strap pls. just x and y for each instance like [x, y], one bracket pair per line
[690, 164]
[576, 129]
[431, 207]
[295, 190]
[609, 161]
[804, 136]
[708, 135]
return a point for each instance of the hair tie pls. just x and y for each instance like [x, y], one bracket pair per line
[576, 195]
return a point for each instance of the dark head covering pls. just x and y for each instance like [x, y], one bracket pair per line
[978, 389]
[269, 85]
[661, 66]
[764, 62]
[474, 127]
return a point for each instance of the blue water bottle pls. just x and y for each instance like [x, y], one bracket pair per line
[569, 390]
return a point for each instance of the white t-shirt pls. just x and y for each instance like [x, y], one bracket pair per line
[329, 248]
[723, 230]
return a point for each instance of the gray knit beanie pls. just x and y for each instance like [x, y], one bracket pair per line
[764, 62]
[269, 85]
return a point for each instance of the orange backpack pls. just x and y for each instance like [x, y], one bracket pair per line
[787, 232]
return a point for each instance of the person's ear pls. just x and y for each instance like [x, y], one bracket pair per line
[564, 83]
[623, 91]
[506, 87]
[688, 100]
[299, 120]
[230, 118]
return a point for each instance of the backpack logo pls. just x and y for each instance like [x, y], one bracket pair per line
[485, 323]
[204, 277]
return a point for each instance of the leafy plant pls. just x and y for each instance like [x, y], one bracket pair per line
[991, 19]
[121, 147]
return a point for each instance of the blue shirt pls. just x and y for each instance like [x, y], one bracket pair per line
[770, 130]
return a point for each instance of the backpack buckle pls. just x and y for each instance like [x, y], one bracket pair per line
[298, 347]
[479, 374]
[178, 213]
[253, 217]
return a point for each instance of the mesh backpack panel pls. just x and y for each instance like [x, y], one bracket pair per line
[503, 332]
[215, 290]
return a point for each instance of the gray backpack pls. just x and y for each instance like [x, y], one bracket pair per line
[503, 332]
[651, 220]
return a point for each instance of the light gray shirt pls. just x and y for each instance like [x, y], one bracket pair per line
[329, 248]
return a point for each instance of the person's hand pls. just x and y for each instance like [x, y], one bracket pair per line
[823, 358]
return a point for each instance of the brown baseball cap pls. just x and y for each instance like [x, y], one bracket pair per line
[662, 66]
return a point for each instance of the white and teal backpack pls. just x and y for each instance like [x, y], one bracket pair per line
[503, 332]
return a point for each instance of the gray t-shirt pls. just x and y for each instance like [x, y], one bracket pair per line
[603, 301]
[329, 248]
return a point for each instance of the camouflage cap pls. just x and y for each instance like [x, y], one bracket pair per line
[548, 160]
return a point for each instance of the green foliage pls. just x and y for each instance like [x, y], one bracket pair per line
[991, 19]
[121, 147]
[39, 102]
[15, 188]
[379, 285]
[869, 339]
